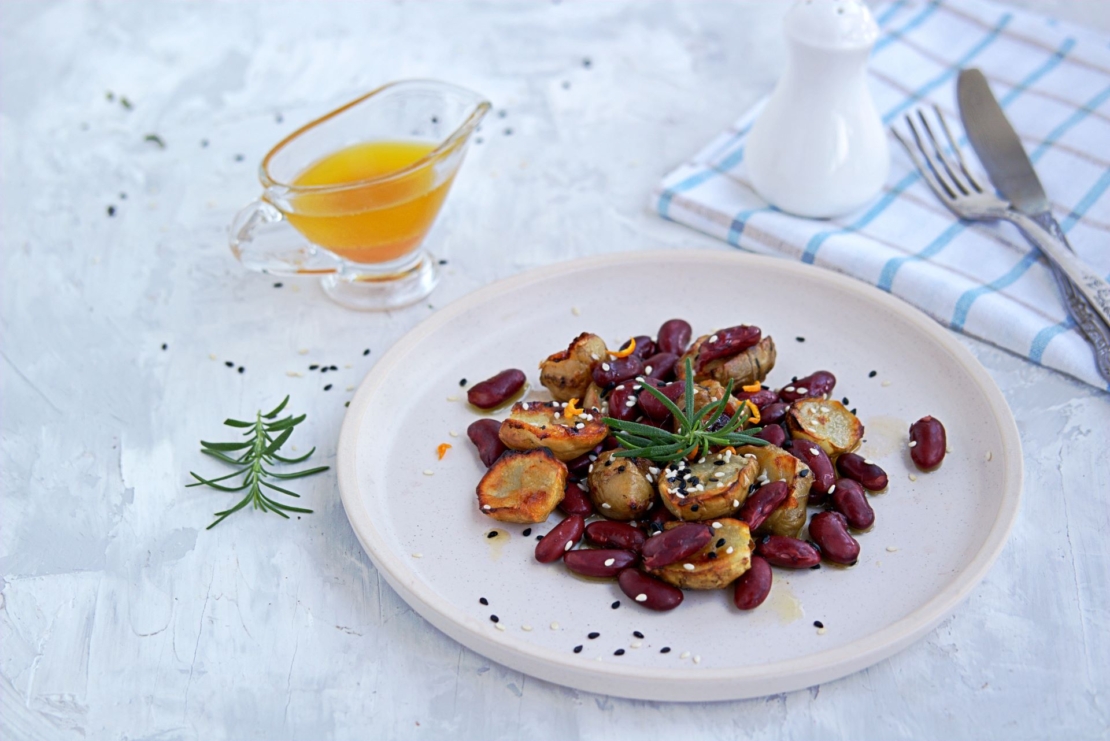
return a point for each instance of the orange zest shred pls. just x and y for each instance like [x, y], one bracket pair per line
[571, 411]
[442, 450]
[752, 388]
[754, 419]
[625, 352]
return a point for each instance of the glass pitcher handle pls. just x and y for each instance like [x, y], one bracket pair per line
[262, 239]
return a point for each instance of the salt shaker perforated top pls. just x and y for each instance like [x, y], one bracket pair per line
[819, 148]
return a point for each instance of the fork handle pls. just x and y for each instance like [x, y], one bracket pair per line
[1086, 281]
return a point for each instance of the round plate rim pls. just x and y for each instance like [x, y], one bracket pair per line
[681, 684]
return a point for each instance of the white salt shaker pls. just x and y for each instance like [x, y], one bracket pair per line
[819, 148]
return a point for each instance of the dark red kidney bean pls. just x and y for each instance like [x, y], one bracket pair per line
[815, 384]
[662, 366]
[575, 501]
[610, 372]
[618, 403]
[674, 336]
[857, 468]
[821, 468]
[675, 544]
[645, 346]
[493, 392]
[655, 519]
[753, 586]
[762, 502]
[615, 535]
[484, 435]
[610, 443]
[725, 343]
[829, 531]
[760, 398]
[773, 434]
[649, 592]
[928, 442]
[789, 553]
[561, 539]
[773, 413]
[580, 466]
[849, 500]
[653, 407]
[603, 562]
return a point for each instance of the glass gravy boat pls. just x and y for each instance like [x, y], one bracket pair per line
[364, 236]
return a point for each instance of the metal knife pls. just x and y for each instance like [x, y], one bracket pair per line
[1008, 166]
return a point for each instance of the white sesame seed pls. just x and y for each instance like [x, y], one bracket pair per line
[913, 444]
[294, 374]
[606, 505]
[719, 475]
[526, 627]
[486, 507]
[685, 655]
[524, 405]
[650, 478]
[418, 555]
[913, 477]
[610, 561]
[452, 433]
[605, 366]
[499, 626]
[583, 486]
[303, 351]
[789, 389]
[636, 387]
[701, 460]
[567, 547]
[990, 455]
[619, 388]
[735, 502]
[729, 550]
[635, 644]
[701, 487]
[714, 338]
[557, 415]
[688, 566]
[891, 549]
[717, 526]
[580, 426]
[832, 489]
[802, 390]
[554, 626]
[452, 398]
[594, 356]
[630, 403]
[886, 383]
[591, 468]
[429, 472]
[647, 370]
[824, 410]
[822, 630]
[868, 461]
[814, 451]
[576, 311]
[948, 449]
[641, 598]
[697, 659]
[653, 469]
[687, 477]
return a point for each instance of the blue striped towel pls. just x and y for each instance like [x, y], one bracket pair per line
[1053, 80]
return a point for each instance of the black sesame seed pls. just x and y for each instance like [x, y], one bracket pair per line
[711, 555]
[872, 374]
[204, 143]
[665, 650]
[815, 566]
[577, 649]
[278, 118]
[483, 600]
[619, 652]
[495, 619]
[721, 543]
[616, 604]
[346, 403]
[332, 367]
[313, 367]
[462, 381]
[502, 113]
[442, 262]
[804, 473]
[435, 119]
[694, 508]
[539, 537]
[478, 140]
[509, 131]
[491, 534]
[238, 158]
[279, 284]
[845, 401]
[638, 634]
[620, 469]
[608, 462]
[800, 339]
[853, 410]
[818, 624]
[718, 463]
[592, 636]
[111, 210]
[165, 346]
[229, 364]
[587, 63]
[527, 532]
[327, 387]
[241, 369]
[324, 369]
[123, 196]
[366, 351]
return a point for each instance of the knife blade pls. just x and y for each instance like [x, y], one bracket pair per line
[1011, 172]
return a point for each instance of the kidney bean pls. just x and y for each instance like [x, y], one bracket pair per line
[674, 336]
[753, 586]
[618, 403]
[773, 434]
[815, 384]
[675, 544]
[605, 534]
[610, 443]
[601, 562]
[484, 435]
[727, 342]
[575, 501]
[762, 502]
[653, 407]
[773, 413]
[760, 398]
[662, 365]
[655, 519]
[611, 372]
[849, 500]
[645, 346]
[789, 553]
[829, 531]
[928, 443]
[824, 475]
[580, 466]
[649, 592]
[494, 392]
[857, 468]
[561, 539]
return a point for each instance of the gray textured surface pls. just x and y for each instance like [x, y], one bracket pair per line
[122, 618]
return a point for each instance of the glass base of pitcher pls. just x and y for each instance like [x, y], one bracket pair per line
[374, 291]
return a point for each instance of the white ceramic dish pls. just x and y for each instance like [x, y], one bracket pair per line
[933, 541]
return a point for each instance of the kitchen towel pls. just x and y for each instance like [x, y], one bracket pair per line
[1053, 81]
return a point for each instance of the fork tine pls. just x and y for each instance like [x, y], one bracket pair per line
[935, 185]
[932, 170]
[948, 165]
[957, 151]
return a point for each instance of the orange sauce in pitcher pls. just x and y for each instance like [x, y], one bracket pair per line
[369, 222]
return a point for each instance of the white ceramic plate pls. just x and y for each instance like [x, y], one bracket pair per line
[933, 541]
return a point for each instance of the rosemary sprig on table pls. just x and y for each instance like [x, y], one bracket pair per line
[259, 451]
[693, 434]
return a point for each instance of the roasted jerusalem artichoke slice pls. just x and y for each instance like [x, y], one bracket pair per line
[543, 424]
[567, 374]
[826, 422]
[747, 367]
[775, 464]
[724, 560]
[621, 488]
[523, 487]
[713, 487]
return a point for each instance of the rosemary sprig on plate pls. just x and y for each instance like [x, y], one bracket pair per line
[258, 451]
[693, 434]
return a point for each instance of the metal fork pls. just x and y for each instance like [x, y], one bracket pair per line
[951, 180]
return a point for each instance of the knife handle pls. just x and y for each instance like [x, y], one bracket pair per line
[1090, 324]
